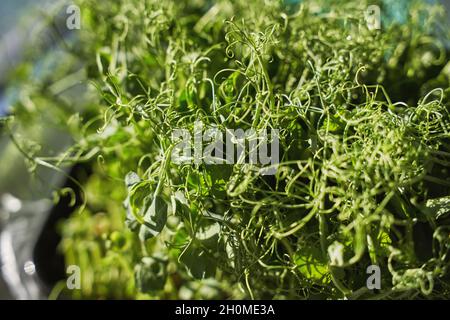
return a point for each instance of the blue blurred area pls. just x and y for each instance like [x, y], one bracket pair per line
[395, 10]
[3, 105]
[10, 12]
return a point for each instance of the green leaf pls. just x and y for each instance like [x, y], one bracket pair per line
[198, 263]
[333, 124]
[311, 266]
[131, 179]
[155, 218]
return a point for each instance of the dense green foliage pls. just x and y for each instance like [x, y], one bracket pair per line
[364, 139]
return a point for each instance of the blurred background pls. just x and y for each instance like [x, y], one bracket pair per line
[10, 12]
[25, 31]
